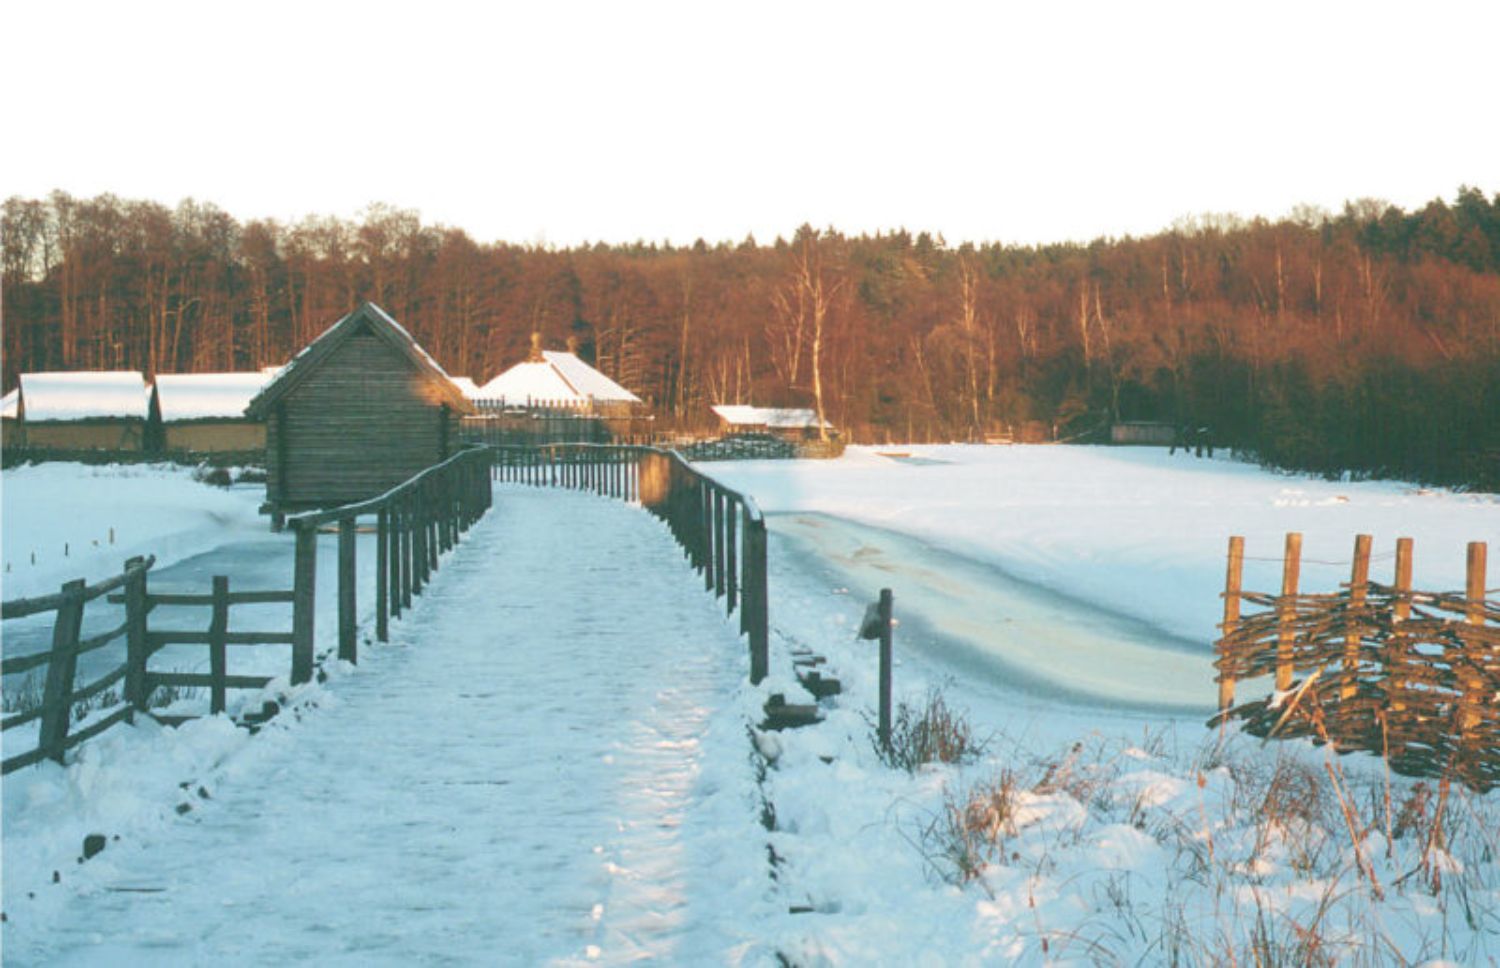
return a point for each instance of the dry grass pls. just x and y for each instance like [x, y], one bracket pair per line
[931, 733]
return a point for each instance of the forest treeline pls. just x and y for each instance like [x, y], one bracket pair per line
[1366, 340]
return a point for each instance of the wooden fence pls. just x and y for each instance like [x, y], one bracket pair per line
[415, 521]
[721, 531]
[1411, 675]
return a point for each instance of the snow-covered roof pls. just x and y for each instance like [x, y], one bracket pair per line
[200, 396]
[557, 376]
[467, 385]
[83, 396]
[10, 403]
[781, 418]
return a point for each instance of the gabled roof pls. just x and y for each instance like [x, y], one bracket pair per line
[206, 396]
[559, 377]
[467, 385]
[781, 418]
[83, 396]
[10, 403]
[368, 317]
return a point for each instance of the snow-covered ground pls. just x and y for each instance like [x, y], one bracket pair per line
[1123, 831]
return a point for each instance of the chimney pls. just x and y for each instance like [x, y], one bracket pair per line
[536, 348]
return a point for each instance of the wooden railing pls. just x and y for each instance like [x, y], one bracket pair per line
[1411, 675]
[61, 693]
[722, 531]
[414, 522]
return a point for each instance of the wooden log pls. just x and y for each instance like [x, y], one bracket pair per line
[1291, 568]
[382, 574]
[348, 618]
[1400, 612]
[218, 661]
[62, 665]
[304, 591]
[136, 653]
[1359, 583]
[1232, 578]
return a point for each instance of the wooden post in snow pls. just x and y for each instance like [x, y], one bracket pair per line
[1232, 578]
[1359, 579]
[1291, 569]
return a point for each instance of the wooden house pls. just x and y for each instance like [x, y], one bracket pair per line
[788, 423]
[82, 410]
[204, 413]
[553, 380]
[357, 412]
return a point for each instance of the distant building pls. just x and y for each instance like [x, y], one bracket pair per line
[205, 412]
[792, 423]
[357, 412]
[467, 386]
[552, 380]
[1145, 433]
[82, 410]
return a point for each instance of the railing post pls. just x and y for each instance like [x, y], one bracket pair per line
[62, 664]
[408, 555]
[885, 668]
[731, 546]
[760, 625]
[434, 524]
[1359, 580]
[382, 574]
[218, 661]
[348, 620]
[418, 542]
[136, 607]
[1291, 567]
[706, 532]
[718, 497]
[304, 596]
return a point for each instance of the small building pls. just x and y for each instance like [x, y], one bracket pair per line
[790, 423]
[82, 410]
[1144, 433]
[552, 380]
[361, 409]
[204, 413]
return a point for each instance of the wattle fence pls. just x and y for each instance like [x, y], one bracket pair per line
[722, 531]
[1412, 676]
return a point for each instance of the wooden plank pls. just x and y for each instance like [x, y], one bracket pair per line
[304, 587]
[120, 715]
[348, 619]
[235, 598]
[1291, 568]
[57, 710]
[24, 663]
[217, 659]
[98, 685]
[12, 763]
[204, 680]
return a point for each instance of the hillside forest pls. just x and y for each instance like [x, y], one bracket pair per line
[1365, 341]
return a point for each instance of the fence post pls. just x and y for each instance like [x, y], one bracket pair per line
[1474, 685]
[1232, 578]
[135, 636]
[718, 500]
[706, 532]
[1400, 612]
[382, 574]
[62, 664]
[304, 595]
[408, 549]
[348, 647]
[418, 541]
[1359, 578]
[1286, 609]
[885, 668]
[218, 661]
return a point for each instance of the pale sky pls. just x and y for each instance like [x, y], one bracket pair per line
[561, 121]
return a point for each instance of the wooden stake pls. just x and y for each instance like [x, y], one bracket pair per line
[348, 646]
[1359, 578]
[218, 661]
[885, 668]
[1401, 611]
[1291, 569]
[1232, 578]
[304, 595]
[1474, 683]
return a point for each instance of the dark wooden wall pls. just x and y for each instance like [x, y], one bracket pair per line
[364, 421]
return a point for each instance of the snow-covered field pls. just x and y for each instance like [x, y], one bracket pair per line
[1119, 829]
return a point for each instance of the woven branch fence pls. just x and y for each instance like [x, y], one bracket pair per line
[1412, 676]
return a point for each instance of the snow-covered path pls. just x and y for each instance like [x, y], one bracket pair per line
[509, 781]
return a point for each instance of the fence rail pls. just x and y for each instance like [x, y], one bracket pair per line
[1411, 675]
[722, 531]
